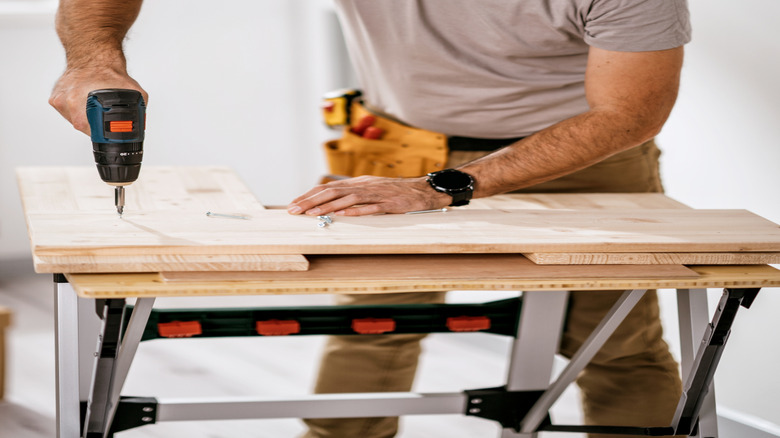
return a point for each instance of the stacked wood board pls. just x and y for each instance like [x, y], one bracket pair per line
[73, 227]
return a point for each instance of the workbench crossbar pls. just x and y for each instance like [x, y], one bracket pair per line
[497, 317]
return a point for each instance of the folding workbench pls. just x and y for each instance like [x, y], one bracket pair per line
[92, 306]
[166, 246]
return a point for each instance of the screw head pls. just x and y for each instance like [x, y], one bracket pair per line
[475, 410]
[146, 419]
[476, 401]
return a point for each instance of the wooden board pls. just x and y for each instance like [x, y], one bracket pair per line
[701, 258]
[58, 192]
[436, 267]
[151, 285]
[647, 201]
[73, 226]
[578, 201]
[170, 262]
[456, 231]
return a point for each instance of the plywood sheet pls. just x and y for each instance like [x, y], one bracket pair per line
[60, 192]
[151, 285]
[70, 214]
[702, 258]
[577, 201]
[437, 267]
[170, 262]
[456, 231]
[61, 189]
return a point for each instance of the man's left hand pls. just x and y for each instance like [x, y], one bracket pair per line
[366, 195]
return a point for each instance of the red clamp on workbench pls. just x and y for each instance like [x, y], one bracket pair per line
[468, 323]
[179, 329]
[373, 326]
[277, 327]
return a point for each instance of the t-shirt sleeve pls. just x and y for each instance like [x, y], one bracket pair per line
[637, 25]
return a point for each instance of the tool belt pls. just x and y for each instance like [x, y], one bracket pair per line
[375, 145]
[399, 150]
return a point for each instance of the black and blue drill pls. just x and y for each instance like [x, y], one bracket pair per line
[117, 119]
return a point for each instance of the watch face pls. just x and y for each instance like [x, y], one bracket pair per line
[453, 180]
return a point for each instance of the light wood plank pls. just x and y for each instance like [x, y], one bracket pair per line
[456, 231]
[702, 258]
[435, 267]
[170, 262]
[148, 285]
[70, 214]
[577, 201]
[56, 191]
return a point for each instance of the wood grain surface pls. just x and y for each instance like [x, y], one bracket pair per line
[60, 192]
[73, 226]
[456, 231]
[694, 258]
[436, 267]
[170, 262]
[152, 285]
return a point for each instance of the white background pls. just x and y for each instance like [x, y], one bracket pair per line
[238, 82]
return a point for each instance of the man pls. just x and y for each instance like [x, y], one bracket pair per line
[574, 90]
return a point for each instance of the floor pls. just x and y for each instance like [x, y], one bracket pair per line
[235, 367]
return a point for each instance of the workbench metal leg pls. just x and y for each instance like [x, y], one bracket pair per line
[76, 332]
[89, 331]
[581, 358]
[694, 316]
[66, 351]
[133, 333]
[105, 360]
[533, 351]
[113, 356]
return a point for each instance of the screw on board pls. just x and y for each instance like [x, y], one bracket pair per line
[229, 216]
[324, 221]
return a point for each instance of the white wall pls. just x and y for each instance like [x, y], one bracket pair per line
[722, 150]
[237, 83]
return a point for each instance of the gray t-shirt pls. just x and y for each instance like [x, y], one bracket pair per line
[494, 68]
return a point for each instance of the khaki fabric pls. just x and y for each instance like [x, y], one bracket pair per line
[632, 381]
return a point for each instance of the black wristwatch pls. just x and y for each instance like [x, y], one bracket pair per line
[459, 185]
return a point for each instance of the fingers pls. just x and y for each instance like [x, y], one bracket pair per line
[325, 199]
[368, 195]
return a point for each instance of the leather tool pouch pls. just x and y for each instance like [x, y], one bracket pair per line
[401, 151]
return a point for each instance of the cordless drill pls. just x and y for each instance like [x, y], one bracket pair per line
[117, 119]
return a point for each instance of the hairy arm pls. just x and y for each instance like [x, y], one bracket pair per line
[92, 32]
[630, 96]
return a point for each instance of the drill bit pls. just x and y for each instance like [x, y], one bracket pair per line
[119, 199]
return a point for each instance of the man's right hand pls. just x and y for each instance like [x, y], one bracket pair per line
[92, 32]
[69, 96]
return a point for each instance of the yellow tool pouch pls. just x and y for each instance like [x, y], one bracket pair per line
[402, 151]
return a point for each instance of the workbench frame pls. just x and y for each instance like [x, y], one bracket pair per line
[93, 362]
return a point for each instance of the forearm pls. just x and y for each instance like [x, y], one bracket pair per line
[630, 97]
[92, 31]
[563, 148]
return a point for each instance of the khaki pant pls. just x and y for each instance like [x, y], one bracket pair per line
[633, 380]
